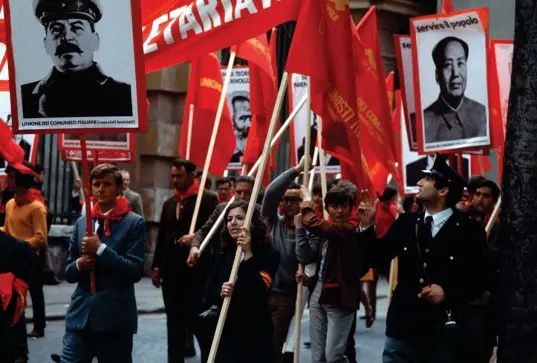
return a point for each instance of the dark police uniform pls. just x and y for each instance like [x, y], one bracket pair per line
[452, 259]
[87, 93]
[442, 123]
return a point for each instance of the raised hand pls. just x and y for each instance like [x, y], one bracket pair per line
[366, 211]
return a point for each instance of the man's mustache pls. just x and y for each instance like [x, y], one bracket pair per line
[67, 48]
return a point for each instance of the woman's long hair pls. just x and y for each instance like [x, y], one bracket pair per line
[258, 227]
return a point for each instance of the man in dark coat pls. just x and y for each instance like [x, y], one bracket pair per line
[441, 271]
[76, 86]
[16, 258]
[182, 286]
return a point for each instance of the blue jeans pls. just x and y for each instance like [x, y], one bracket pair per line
[81, 346]
[329, 330]
[416, 351]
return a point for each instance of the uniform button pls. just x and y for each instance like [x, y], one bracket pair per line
[421, 281]
[404, 249]
[427, 250]
[425, 264]
[451, 257]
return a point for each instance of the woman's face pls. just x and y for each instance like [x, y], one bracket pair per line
[235, 221]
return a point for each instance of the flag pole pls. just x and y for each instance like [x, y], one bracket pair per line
[76, 175]
[249, 215]
[212, 142]
[322, 163]
[493, 216]
[305, 182]
[314, 161]
[189, 133]
[252, 171]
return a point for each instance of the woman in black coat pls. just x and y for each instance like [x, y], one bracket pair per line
[247, 335]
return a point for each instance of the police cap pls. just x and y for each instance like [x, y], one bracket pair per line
[48, 10]
[446, 175]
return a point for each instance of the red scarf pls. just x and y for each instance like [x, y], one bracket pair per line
[229, 196]
[120, 210]
[8, 283]
[31, 195]
[192, 190]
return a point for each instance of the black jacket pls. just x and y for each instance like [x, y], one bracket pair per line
[88, 93]
[170, 257]
[250, 299]
[454, 261]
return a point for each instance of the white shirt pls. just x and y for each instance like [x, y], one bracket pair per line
[439, 219]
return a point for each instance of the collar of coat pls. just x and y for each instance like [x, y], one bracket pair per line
[94, 72]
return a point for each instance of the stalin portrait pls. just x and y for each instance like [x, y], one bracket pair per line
[76, 86]
[453, 116]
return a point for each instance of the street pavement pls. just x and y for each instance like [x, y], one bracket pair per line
[150, 342]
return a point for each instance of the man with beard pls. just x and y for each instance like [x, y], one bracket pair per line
[242, 120]
[182, 286]
[453, 116]
[76, 86]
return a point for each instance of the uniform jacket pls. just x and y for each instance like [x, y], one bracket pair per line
[170, 257]
[343, 262]
[118, 268]
[88, 93]
[453, 258]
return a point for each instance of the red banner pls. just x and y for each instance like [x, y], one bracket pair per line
[204, 91]
[103, 156]
[182, 30]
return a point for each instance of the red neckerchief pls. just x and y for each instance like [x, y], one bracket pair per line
[31, 195]
[487, 218]
[229, 196]
[192, 190]
[8, 283]
[353, 218]
[120, 210]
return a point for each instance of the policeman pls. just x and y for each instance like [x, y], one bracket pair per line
[440, 254]
[453, 116]
[76, 86]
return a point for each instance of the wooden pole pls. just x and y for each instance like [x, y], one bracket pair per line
[76, 176]
[493, 216]
[86, 183]
[252, 171]
[189, 132]
[312, 172]
[249, 214]
[212, 142]
[322, 163]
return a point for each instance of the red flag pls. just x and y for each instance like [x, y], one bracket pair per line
[390, 88]
[480, 164]
[447, 6]
[263, 92]
[373, 101]
[180, 30]
[322, 48]
[204, 91]
[9, 148]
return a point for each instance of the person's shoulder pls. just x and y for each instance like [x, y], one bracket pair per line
[28, 88]
[37, 205]
[475, 105]
[133, 218]
[118, 86]
[478, 110]
[209, 196]
[433, 109]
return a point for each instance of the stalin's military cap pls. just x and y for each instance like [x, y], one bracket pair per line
[48, 10]
[446, 175]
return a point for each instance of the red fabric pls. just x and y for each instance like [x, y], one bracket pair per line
[385, 217]
[192, 190]
[8, 283]
[120, 210]
[390, 88]
[447, 6]
[487, 218]
[229, 196]
[322, 48]
[204, 91]
[30, 196]
[375, 111]
[171, 37]
[263, 92]
[9, 149]
[480, 164]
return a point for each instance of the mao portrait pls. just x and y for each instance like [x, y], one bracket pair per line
[453, 115]
[76, 86]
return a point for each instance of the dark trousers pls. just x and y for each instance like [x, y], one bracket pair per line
[282, 309]
[36, 293]
[13, 340]
[181, 313]
[417, 351]
[81, 346]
